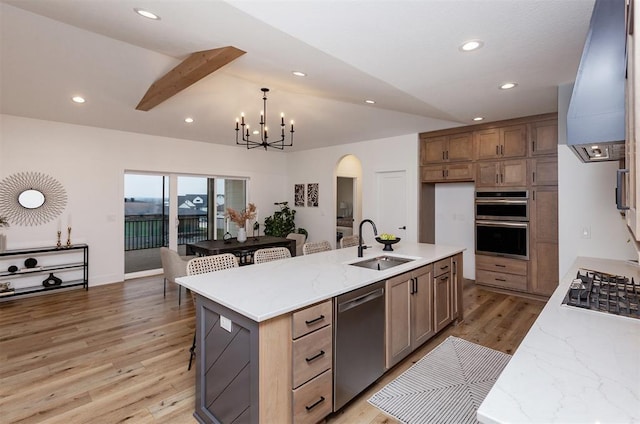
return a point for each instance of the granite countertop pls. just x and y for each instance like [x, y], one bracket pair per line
[267, 290]
[574, 365]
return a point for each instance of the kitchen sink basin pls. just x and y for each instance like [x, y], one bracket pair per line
[382, 262]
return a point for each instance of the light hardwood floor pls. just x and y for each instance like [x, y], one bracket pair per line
[119, 353]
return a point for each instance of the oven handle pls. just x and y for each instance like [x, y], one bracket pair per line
[503, 224]
[502, 201]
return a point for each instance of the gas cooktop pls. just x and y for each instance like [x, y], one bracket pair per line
[604, 292]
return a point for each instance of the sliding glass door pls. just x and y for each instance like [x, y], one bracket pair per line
[157, 215]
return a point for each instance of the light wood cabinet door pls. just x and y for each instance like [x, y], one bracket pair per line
[513, 173]
[433, 173]
[513, 141]
[462, 171]
[398, 326]
[421, 308]
[442, 301]
[544, 171]
[544, 138]
[487, 174]
[460, 147]
[543, 240]
[487, 144]
[433, 150]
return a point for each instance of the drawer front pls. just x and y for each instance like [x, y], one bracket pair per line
[312, 355]
[312, 318]
[498, 264]
[497, 279]
[313, 401]
[442, 267]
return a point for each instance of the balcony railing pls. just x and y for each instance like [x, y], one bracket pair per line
[152, 231]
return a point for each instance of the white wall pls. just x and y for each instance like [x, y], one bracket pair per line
[320, 166]
[455, 225]
[90, 164]
[586, 200]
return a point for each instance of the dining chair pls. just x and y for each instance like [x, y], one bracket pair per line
[349, 241]
[270, 254]
[316, 247]
[173, 266]
[300, 239]
[203, 265]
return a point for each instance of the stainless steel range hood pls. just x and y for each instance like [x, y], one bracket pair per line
[595, 120]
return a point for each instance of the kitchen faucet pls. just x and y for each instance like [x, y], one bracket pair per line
[361, 246]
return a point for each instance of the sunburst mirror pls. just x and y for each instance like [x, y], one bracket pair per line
[31, 198]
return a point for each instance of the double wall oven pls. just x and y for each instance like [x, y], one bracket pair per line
[502, 223]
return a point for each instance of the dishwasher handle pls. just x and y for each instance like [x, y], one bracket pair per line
[367, 297]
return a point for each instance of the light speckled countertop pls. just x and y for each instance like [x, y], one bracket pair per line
[264, 291]
[574, 365]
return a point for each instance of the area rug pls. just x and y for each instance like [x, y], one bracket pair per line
[446, 386]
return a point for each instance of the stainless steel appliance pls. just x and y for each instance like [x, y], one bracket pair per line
[358, 341]
[603, 292]
[502, 223]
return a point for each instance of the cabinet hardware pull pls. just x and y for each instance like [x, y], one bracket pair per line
[497, 151]
[412, 289]
[534, 176]
[502, 150]
[443, 173]
[446, 277]
[444, 267]
[443, 155]
[496, 178]
[501, 266]
[316, 356]
[415, 283]
[500, 279]
[313, 321]
[501, 177]
[533, 145]
[447, 155]
[318, 402]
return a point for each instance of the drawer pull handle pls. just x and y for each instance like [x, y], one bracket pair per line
[318, 402]
[500, 266]
[313, 321]
[445, 278]
[500, 279]
[444, 267]
[316, 356]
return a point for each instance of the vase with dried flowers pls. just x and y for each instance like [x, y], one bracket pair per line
[3, 238]
[241, 218]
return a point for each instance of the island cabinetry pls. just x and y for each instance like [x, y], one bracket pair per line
[447, 148]
[278, 370]
[507, 173]
[409, 313]
[43, 269]
[442, 294]
[543, 240]
[501, 143]
[500, 272]
[544, 137]
[462, 171]
[312, 358]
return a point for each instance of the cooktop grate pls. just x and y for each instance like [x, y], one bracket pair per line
[603, 292]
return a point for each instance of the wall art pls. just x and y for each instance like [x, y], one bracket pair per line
[298, 195]
[312, 195]
[31, 198]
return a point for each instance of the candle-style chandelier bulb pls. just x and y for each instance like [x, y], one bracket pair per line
[242, 130]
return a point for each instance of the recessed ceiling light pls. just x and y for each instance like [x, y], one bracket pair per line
[478, 118]
[299, 74]
[188, 120]
[471, 45]
[147, 14]
[371, 102]
[78, 99]
[508, 85]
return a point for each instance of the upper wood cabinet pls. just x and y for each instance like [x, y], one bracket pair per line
[462, 171]
[505, 173]
[544, 137]
[447, 148]
[503, 142]
[544, 171]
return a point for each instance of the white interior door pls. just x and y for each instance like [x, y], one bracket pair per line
[392, 203]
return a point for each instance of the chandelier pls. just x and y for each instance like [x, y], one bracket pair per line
[243, 129]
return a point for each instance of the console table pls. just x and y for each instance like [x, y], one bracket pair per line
[244, 251]
[25, 269]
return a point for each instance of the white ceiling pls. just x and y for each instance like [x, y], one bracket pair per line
[404, 54]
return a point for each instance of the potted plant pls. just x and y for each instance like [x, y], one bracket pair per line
[282, 222]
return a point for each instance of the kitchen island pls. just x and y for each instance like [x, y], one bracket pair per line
[264, 332]
[574, 365]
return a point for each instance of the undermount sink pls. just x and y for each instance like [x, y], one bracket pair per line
[381, 263]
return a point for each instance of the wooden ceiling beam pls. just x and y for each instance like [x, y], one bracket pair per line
[195, 67]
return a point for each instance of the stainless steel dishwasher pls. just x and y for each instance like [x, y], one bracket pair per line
[358, 342]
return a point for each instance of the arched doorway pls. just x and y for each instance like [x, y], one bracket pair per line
[348, 199]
